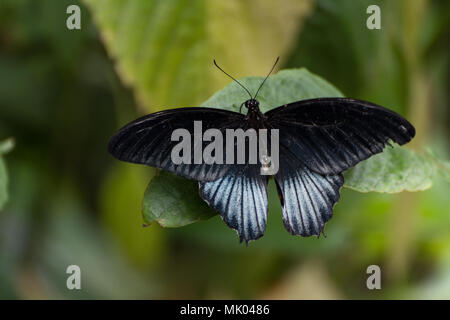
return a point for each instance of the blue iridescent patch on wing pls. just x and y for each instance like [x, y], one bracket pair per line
[241, 199]
[307, 197]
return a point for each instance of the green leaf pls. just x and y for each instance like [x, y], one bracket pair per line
[5, 146]
[165, 49]
[394, 170]
[173, 201]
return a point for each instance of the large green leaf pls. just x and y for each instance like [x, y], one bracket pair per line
[174, 201]
[164, 49]
[5, 146]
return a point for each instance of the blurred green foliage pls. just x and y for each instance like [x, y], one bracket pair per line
[70, 203]
[160, 46]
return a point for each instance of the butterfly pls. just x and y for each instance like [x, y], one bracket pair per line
[318, 140]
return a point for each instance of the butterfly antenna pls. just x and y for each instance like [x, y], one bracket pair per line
[215, 63]
[278, 58]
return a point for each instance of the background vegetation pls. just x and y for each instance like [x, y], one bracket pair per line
[63, 93]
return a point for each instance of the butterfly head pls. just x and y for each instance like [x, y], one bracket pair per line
[252, 104]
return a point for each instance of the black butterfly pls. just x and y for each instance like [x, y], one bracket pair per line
[319, 139]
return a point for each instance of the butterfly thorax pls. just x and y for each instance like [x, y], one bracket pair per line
[254, 115]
